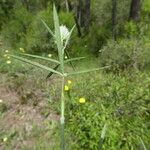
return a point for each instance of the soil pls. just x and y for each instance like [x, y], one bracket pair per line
[22, 117]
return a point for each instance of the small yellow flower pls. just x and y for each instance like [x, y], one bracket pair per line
[5, 139]
[66, 88]
[82, 100]
[5, 55]
[8, 57]
[66, 57]
[1, 101]
[69, 81]
[6, 51]
[22, 49]
[8, 62]
[49, 55]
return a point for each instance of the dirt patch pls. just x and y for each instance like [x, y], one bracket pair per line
[22, 117]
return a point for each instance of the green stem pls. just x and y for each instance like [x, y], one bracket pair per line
[62, 119]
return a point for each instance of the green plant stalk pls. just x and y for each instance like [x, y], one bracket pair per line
[62, 119]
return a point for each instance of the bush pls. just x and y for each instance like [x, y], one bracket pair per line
[125, 54]
[37, 38]
[6, 11]
[14, 31]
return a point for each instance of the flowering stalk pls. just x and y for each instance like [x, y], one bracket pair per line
[61, 36]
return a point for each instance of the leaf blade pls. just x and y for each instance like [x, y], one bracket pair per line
[86, 71]
[35, 64]
[51, 73]
[73, 59]
[59, 42]
[49, 30]
[67, 40]
[143, 144]
[41, 57]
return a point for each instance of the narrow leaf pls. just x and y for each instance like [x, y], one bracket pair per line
[72, 65]
[101, 141]
[104, 131]
[143, 144]
[86, 71]
[73, 59]
[51, 73]
[35, 64]
[41, 57]
[49, 30]
[67, 40]
[58, 40]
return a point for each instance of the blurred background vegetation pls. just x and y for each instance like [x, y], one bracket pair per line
[108, 32]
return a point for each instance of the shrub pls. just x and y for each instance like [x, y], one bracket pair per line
[14, 31]
[37, 38]
[125, 54]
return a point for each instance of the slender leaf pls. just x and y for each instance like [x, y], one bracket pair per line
[101, 142]
[73, 59]
[51, 73]
[72, 65]
[143, 144]
[35, 64]
[41, 57]
[59, 42]
[104, 131]
[67, 40]
[86, 71]
[49, 30]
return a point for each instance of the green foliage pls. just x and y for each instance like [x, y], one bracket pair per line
[98, 37]
[131, 29]
[5, 11]
[120, 102]
[15, 29]
[37, 38]
[146, 6]
[125, 54]
[3, 108]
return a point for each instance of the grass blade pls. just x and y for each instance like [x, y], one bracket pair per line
[67, 40]
[73, 59]
[103, 131]
[35, 64]
[59, 42]
[67, 54]
[51, 73]
[102, 137]
[49, 30]
[41, 57]
[86, 71]
[143, 144]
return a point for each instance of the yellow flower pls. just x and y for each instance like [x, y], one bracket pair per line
[8, 62]
[5, 55]
[5, 139]
[8, 57]
[1, 101]
[69, 81]
[66, 57]
[82, 100]
[6, 51]
[22, 49]
[49, 55]
[66, 88]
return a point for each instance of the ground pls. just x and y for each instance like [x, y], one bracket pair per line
[26, 115]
